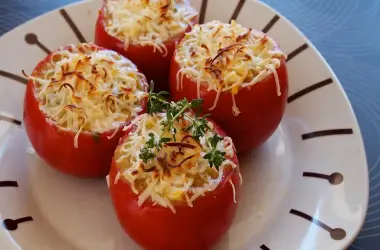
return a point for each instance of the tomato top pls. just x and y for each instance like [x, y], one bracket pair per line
[168, 161]
[147, 22]
[86, 88]
[227, 57]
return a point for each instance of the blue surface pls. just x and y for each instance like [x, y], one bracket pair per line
[346, 32]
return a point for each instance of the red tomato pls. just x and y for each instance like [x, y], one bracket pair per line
[260, 106]
[56, 146]
[152, 64]
[190, 228]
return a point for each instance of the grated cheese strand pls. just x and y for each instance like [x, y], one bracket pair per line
[277, 81]
[233, 189]
[84, 89]
[227, 57]
[117, 178]
[153, 22]
[235, 109]
[114, 133]
[216, 100]
[168, 179]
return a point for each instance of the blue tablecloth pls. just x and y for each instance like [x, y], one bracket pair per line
[346, 32]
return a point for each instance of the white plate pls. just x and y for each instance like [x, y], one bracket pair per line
[283, 206]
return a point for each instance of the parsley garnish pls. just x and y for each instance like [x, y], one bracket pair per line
[150, 143]
[155, 103]
[174, 111]
[199, 127]
[146, 153]
[163, 140]
[215, 157]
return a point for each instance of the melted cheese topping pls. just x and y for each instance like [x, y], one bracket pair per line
[86, 89]
[178, 173]
[147, 22]
[227, 57]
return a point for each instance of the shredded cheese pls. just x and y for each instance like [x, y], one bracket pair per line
[178, 173]
[144, 22]
[227, 57]
[84, 89]
[233, 189]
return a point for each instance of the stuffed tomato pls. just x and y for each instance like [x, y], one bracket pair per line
[77, 100]
[145, 32]
[240, 74]
[172, 188]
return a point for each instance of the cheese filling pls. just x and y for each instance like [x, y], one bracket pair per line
[144, 22]
[90, 90]
[227, 57]
[178, 173]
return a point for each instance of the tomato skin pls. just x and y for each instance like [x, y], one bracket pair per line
[196, 228]
[152, 64]
[260, 106]
[55, 145]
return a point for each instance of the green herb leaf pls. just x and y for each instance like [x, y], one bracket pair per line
[176, 110]
[146, 154]
[163, 140]
[198, 127]
[215, 158]
[196, 103]
[157, 102]
[163, 93]
[214, 140]
[151, 142]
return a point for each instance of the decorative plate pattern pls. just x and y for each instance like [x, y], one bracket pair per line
[310, 177]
